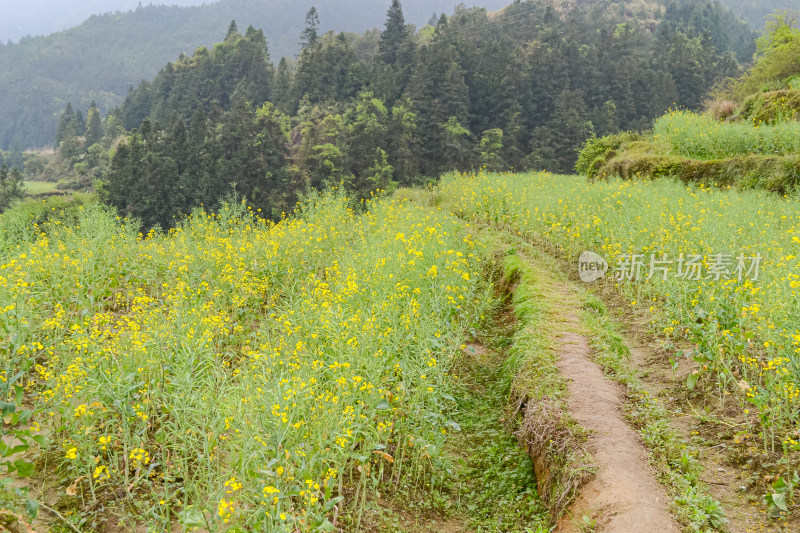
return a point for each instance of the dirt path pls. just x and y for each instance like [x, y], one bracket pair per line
[624, 496]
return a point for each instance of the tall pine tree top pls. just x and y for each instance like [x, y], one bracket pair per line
[310, 33]
[394, 34]
[232, 30]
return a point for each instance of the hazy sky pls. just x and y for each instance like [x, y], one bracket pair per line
[40, 17]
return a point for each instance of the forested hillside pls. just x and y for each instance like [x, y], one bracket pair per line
[100, 59]
[520, 89]
[749, 136]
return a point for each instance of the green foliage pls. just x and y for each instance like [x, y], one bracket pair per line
[94, 126]
[190, 407]
[380, 175]
[756, 13]
[24, 221]
[394, 35]
[100, 58]
[771, 107]
[11, 186]
[780, 174]
[311, 31]
[236, 69]
[597, 151]
[491, 148]
[778, 59]
[157, 176]
[722, 27]
[391, 107]
[737, 326]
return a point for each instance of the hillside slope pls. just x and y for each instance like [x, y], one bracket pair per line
[755, 12]
[749, 136]
[102, 57]
[42, 17]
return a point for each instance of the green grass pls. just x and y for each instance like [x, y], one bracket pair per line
[33, 188]
[703, 137]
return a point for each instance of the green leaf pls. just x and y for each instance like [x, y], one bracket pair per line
[382, 405]
[779, 500]
[7, 408]
[691, 381]
[8, 451]
[23, 468]
[330, 503]
[32, 508]
[192, 517]
[780, 485]
[325, 526]
[454, 425]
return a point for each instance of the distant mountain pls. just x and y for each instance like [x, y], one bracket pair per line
[101, 58]
[42, 17]
[755, 12]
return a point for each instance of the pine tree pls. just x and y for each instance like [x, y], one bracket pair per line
[80, 124]
[233, 30]
[394, 34]
[283, 87]
[66, 125]
[310, 34]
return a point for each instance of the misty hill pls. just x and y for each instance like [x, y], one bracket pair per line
[101, 58]
[42, 17]
[755, 12]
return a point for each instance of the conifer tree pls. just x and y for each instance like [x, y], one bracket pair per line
[67, 125]
[283, 86]
[394, 34]
[94, 125]
[310, 34]
[233, 30]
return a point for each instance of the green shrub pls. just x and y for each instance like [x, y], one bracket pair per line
[779, 59]
[780, 174]
[771, 107]
[598, 150]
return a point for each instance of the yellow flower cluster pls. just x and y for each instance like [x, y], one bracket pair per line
[242, 360]
[746, 331]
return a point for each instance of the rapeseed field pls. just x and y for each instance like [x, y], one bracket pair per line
[234, 372]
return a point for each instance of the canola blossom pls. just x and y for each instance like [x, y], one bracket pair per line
[233, 368]
[743, 335]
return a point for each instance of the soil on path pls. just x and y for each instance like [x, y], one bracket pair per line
[624, 496]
